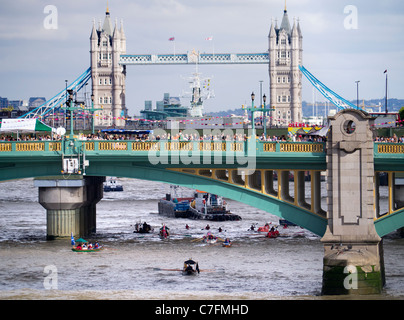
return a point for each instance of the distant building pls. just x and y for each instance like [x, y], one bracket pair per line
[35, 102]
[169, 107]
[18, 104]
[3, 103]
[207, 122]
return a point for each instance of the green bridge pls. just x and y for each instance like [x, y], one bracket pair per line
[254, 172]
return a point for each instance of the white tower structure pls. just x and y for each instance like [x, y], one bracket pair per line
[285, 55]
[107, 75]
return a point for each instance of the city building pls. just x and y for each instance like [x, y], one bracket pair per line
[35, 102]
[168, 107]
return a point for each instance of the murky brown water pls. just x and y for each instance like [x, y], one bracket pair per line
[132, 266]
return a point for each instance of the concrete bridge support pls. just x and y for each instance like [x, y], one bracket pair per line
[70, 204]
[353, 252]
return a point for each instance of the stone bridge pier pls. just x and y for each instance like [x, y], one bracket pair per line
[353, 252]
[70, 204]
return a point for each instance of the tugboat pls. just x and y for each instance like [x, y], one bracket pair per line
[112, 185]
[203, 205]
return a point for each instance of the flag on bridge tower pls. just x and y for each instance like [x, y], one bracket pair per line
[173, 40]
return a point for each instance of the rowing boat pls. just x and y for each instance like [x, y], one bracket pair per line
[190, 268]
[87, 250]
[83, 246]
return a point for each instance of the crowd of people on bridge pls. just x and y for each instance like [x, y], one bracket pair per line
[393, 139]
[185, 136]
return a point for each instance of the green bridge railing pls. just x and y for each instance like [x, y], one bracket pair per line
[124, 146]
[382, 151]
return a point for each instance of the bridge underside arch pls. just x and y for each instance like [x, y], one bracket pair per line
[283, 209]
[300, 216]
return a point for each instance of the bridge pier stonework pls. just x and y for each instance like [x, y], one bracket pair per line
[353, 255]
[70, 204]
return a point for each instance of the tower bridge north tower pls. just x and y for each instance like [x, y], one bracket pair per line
[107, 44]
[285, 56]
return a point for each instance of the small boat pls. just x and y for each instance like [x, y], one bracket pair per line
[142, 228]
[273, 233]
[111, 185]
[227, 243]
[82, 245]
[191, 267]
[264, 228]
[210, 238]
[164, 232]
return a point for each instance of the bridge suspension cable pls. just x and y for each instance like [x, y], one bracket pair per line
[330, 95]
[58, 100]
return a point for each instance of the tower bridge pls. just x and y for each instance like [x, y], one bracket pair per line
[109, 60]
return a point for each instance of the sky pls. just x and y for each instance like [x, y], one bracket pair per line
[343, 41]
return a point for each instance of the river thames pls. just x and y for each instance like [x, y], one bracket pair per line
[134, 266]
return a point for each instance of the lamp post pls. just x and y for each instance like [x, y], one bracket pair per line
[265, 116]
[263, 109]
[386, 92]
[93, 110]
[252, 112]
[70, 106]
[65, 122]
[357, 93]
